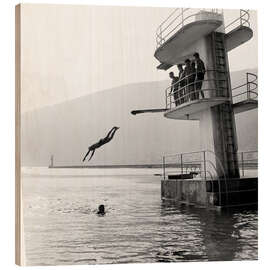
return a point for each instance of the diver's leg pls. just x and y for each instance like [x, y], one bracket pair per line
[89, 149]
[91, 155]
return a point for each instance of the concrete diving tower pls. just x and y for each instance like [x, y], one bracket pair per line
[186, 31]
[187, 26]
[211, 101]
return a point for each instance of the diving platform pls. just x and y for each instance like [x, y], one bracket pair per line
[173, 51]
[245, 96]
[186, 103]
[185, 27]
[237, 37]
[190, 110]
[245, 105]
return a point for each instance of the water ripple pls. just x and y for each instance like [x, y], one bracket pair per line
[61, 225]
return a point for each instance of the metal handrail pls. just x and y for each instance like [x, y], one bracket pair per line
[243, 19]
[184, 10]
[251, 85]
[168, 17]
[244, 161]
[197, 161]
[181, 14]
[170, 92]
[159, 31]
[202, 172]
[250, 90]
[180, 17]
[203, 160]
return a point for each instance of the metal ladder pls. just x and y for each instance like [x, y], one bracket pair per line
[225, 110]
[220, 65]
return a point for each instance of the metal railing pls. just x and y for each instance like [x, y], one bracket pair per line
[189, 88]
[194, 163]
[189, 162]
[248, 160]
[180, 17]
[242, 20]
[199, 163]
[177, 19]
[246, 91]
[176, 95]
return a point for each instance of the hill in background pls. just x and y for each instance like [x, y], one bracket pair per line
[67, 129]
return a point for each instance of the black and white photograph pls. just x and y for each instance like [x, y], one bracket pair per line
[136, 134]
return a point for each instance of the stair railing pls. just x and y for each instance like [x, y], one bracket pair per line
[250, 87]
[242, 20]
[176, 20]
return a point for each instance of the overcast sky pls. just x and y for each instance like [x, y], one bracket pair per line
[71, 51]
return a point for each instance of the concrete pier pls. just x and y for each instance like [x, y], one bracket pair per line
[212, 193]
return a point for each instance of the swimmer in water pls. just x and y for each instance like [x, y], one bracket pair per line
[101, 142]
[101, 210]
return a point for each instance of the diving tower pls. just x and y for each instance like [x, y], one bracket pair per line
[214, 105]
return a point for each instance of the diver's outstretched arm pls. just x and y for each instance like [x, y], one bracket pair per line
[86, 154]
[109, 133]
[112, 133]
[92, 154]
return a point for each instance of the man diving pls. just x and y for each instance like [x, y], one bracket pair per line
[100, 143]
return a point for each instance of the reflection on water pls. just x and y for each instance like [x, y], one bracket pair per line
[227, 235]
[61, 226]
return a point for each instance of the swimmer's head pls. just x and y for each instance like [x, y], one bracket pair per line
[101, 209]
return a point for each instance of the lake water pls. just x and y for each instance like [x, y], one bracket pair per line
[61, 226]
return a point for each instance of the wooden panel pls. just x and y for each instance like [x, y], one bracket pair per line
[18, 205]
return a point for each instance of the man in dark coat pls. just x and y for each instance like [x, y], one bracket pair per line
[174, 88]
[200, 71]
[182, 83]
[190, 75]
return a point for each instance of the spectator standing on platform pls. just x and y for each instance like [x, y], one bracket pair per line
[182, 83]
[200, 71]
[174, 88]
[190, 75]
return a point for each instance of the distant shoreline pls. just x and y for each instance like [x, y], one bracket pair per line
[142, 166]
[138, 166]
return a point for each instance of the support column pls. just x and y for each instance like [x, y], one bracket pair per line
[217, 124]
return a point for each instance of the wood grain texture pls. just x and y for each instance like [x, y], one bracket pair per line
[18, 205]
